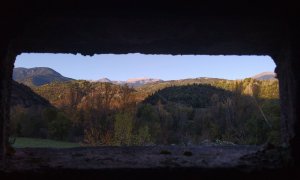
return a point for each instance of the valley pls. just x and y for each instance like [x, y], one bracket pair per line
[147, 111]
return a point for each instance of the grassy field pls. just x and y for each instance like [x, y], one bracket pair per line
[22, 142]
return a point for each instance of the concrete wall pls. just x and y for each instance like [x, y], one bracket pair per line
[172, 27]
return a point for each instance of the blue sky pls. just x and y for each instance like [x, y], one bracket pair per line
[166, 67]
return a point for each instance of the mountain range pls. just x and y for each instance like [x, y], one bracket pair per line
[39, 76]
[134, 82]
[265, 76]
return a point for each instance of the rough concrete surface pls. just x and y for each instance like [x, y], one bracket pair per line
[151, 162]
[208, 156]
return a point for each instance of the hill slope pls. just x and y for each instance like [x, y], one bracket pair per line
[23, 96]
[196, 96]
[153, 87]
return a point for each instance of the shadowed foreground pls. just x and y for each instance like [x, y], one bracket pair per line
[174, 161]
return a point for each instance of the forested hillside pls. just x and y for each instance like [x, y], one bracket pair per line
[28, 114]
[241, 112]
[190, 111]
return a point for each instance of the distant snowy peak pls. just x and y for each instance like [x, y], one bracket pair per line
[104, 80]
[264, 76]
[133, 82]
[143, 80]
